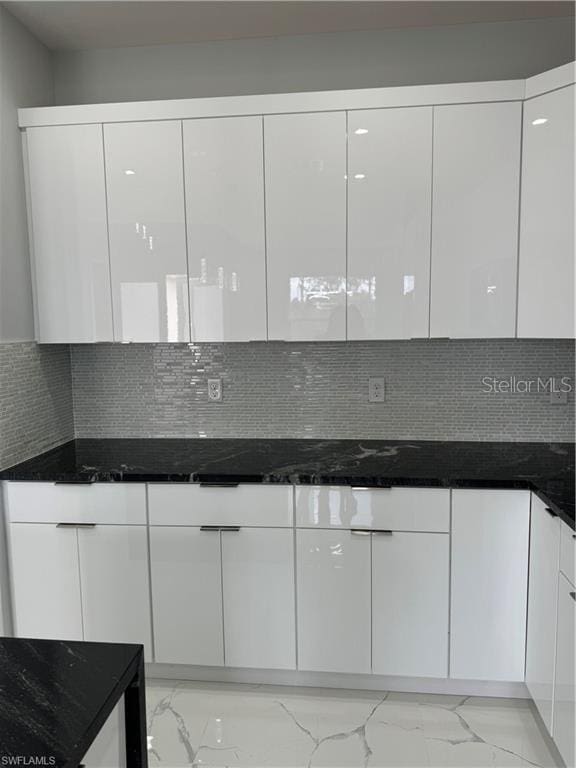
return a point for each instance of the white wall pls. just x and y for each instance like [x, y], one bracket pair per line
[26, 79]
[315, 62]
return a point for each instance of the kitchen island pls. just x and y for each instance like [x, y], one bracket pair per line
[55, 697]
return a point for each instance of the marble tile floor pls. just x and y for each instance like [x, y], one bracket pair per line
[213, 724]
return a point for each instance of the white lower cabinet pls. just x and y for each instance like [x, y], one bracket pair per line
[489, 581]
[223, 598]
[542, 604]
[333, 587]
[75, 575]
[115, 588]
[564, 694]
[258, 590]
[186, 595]
[45, 581]
[410, 584]
[81, 583]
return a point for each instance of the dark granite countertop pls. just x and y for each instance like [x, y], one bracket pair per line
[547, 468]
[55, 696]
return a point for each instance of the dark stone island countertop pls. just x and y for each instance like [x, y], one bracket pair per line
[56, 695]
[546, 468]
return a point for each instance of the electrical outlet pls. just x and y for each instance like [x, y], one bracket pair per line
[376, 389]
[558, 398]
[215, 390]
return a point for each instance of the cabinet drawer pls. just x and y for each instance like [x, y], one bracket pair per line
[102, 503]
[267, 506]
[395, 509]
[568, 552]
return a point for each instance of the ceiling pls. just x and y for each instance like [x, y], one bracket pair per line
[74, 25]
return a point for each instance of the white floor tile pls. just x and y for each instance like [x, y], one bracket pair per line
[220, 725]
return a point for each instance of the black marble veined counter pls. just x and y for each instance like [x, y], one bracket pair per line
[546, 468]
[56, 695]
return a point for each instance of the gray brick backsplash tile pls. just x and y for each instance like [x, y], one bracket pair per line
[434, 390]
[35, 400]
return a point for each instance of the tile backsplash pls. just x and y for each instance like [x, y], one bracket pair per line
[35, 400]
[434, 390]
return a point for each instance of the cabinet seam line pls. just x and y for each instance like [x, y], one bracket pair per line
[222, 600]
[106, 202]
[80, 585]
[148, 543]
[265, 217]
[185, 207]
[521, 160]
[431, 230]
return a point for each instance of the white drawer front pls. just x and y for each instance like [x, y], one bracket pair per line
[395, 509]
[102, 503]
[568, 553]
[268, 506]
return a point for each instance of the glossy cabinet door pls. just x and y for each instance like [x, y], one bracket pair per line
[542, 604]
[115, 585]
[564, 693]
[144, 174]
[45, 581]
[389, 220]
[185, 568]
[67, 199]
[333, 598]
[258, 591]
[410, 585]
[224, 181]
[305, 162]
[546, 268]
[489, 584]
[475, 220]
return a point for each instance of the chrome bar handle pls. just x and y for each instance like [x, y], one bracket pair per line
[75, 525]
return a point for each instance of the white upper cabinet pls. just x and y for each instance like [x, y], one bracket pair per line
[144, 175]
[546, 270]
[305, 160]
[67, 201]
[224, 179]
[475, 220]
[389, 210]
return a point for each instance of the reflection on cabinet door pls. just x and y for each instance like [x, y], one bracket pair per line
[490, 531]
[475, 220]
[333, 588]
[224, 177]
[147, 233]
[69, 234]
[542, 604]
[305, 158]
[115, 588]
[45, 581]
[258, 578]
[564, 701]
[410, 581]
[186, 595]
[546, 269]
[389, 210]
